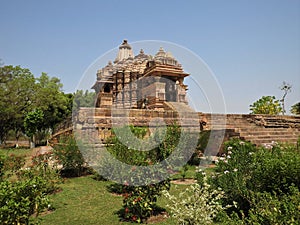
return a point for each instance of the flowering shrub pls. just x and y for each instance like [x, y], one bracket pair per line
[139, 201]
[13, 163]
[42, 166]
[19, 200]
[27, 193]
[198, 204]
[253, 178]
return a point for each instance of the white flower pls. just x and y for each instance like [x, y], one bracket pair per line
[268, 146]
[229, 148]
[235, 169]
[250, 153]
[225, 161]
[274, 143]
[228, 157]
[229, 152]
[242, 143]
[221, 158]
[226, 171]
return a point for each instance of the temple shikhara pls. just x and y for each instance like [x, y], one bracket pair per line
[141, 81]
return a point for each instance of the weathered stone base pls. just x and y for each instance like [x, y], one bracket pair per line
[259, 129]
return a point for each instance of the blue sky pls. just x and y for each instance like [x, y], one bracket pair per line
[251, 46]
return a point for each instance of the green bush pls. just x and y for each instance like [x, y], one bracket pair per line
[43, 166]
[139, 202]
[69, 156]
[1, 167]
[119, 146]
[12, 164]
[271, 208]
[254, 179]
[20, 199]
[26, 193]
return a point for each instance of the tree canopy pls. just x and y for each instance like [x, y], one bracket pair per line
[16, 94]
[22, 96]
[296, 109]
[266, 105]
[84, 99]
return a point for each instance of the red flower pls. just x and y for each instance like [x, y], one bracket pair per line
[126, 210]
[134, 218]
[125, 195]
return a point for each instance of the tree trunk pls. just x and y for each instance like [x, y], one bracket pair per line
[32, 142]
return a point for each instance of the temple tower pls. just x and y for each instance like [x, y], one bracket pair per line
[140, 81]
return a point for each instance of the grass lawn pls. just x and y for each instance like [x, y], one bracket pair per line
[84, 201]
[16, 151]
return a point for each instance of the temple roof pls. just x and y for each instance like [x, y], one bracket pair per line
[125, 60]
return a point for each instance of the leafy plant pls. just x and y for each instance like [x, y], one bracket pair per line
[198, 204]
[266, 105]
[1, 167]
[139, 202]
[295, 109]
[270, 208]
[183, 171]
[19, 200]
[27, 193]
[69, 156]
[251, 176]
[12, 164]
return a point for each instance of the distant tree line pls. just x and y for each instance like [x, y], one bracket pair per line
[34, 106]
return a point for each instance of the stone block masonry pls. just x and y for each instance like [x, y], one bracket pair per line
[258, 129]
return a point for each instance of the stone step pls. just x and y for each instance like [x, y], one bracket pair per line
[269, 133]
[271, 138]
[265, 142]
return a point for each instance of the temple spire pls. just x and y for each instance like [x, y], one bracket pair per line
[125, 52]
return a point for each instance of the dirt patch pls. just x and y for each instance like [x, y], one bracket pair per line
[41, 150]
[157, 218]
[184, 182]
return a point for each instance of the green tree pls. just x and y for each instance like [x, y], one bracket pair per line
[296, 108]
[21, 93]
[84, 99]
[55, 104]
[33, 123]
[266, 105]
[16, 98]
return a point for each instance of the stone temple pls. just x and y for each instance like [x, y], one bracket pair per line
[141, 88]
[142, 81]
